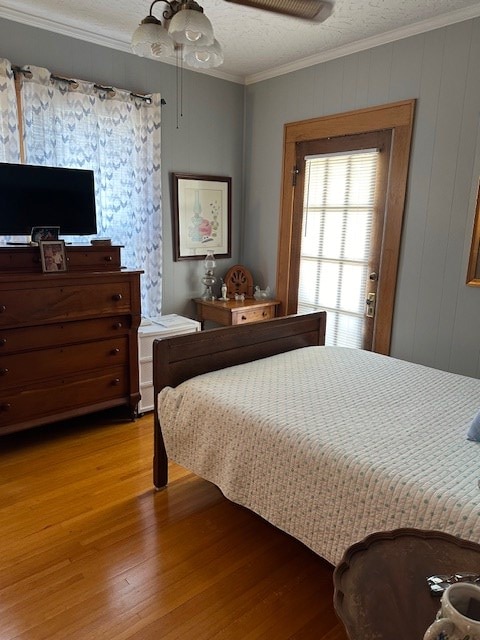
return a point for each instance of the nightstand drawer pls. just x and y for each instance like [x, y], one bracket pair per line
[254, 314]
[146, 371]
[228, 312]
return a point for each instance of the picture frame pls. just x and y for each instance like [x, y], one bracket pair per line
[52, 254]
[44, 233]
[202, 216]
[473, 270]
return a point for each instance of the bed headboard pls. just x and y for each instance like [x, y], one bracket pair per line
[182, 357]
[179, 358]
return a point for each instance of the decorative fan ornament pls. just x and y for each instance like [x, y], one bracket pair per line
[315, 10]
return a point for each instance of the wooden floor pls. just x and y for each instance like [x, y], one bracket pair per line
[89, 550]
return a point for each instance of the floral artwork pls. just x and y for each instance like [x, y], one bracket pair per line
[204, 229]
[201, 216]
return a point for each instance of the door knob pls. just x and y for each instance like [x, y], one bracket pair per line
[370, 302]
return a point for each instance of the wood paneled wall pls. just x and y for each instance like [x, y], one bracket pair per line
[436, 313]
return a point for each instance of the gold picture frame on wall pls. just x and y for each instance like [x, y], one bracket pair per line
[473, 272]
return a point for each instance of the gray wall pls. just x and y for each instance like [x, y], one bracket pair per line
[209, 139]
[436, 320]
[436, 315]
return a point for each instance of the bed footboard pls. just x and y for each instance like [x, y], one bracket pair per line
[179, 358]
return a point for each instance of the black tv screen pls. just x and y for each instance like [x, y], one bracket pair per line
[38, 196]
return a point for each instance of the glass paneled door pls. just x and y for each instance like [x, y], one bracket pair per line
[342, 202]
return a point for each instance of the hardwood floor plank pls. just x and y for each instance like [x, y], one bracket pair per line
[91, 550]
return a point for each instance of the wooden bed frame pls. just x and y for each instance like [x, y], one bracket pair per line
[179, 358]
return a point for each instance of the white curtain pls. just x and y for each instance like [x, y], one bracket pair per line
[77, 124]
[9, 134]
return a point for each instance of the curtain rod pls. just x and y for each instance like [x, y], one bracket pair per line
[74, 83]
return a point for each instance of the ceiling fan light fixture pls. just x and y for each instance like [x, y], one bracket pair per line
[190, 25]
[186, 30]
[151, 39]
[203, 56]
[314, 10]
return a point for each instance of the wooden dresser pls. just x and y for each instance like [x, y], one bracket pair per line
[68, 341]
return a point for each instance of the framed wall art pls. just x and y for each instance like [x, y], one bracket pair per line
[473, 271]
[202, 216]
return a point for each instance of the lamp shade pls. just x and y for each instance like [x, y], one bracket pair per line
[190, 26]
[150, 39]
[203, 56]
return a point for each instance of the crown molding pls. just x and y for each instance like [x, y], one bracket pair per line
[369, 43]
[355, 47]
[104, 41]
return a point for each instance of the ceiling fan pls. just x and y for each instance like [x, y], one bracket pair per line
[315, 10]
[188, 33]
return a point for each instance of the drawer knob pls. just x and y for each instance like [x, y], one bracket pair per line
[3, 308]
[5, 406]
[115, 351]
[118, 325]
[265, 314]
[108, 258]
[117, 296]
[3, 341]
[3, 371]
[244, 317]
[116, 382]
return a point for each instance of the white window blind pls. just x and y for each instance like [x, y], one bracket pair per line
[338, 211]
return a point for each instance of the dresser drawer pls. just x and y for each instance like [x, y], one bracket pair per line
[98, 258]
[57, 303]
[79, 258]
[16, 259]
[63, 395]
[22, 368]
[254, 314]
[48, 335]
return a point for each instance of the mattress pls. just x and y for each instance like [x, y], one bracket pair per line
[330, 444]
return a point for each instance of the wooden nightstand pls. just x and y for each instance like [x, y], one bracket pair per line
[234, 311]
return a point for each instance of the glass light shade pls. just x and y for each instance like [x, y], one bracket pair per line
[151, 39]
[209, 278]
[203, 56]
[190, 26]
[209, 261]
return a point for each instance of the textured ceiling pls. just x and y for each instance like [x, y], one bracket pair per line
[257, 44]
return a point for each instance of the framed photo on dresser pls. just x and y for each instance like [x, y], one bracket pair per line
[52, 253]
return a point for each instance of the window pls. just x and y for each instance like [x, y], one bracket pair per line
[73, 123]
[395, 123]
[338, 212]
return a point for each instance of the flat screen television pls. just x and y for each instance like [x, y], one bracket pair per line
[38, 196]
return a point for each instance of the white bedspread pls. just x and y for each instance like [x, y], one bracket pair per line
[330, 444]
